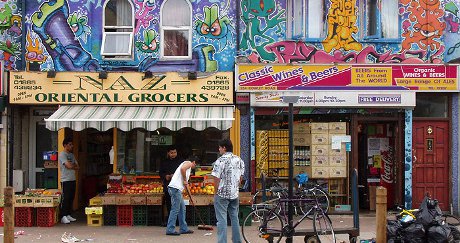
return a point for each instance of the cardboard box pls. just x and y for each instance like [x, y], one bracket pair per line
[372, 197]
[50, 164]
[301, 128]
[319, 172]
[338, 127]
[138, 200]
[154, 199]
[302, 139]
[109, 199]
[338, 161]
[23, 201]
[298, 169]
[342, 207]
[202, 200]
[123, 200]
[319, 160]
[245, 198]
[338, 152]
[319, 149]
[320, 138]
[46, 201]
[338, 172]
[319, 127]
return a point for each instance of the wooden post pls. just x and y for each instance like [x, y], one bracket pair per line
[8, 215]
[381, 214]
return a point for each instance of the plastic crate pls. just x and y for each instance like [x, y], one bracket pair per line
[95, 201]
[125, 215]
[94, 219]
[2, 215]
[46, 217]
[110, 215]
[46, 201]
[24, 217]
[93, 210]
[140, 215]
[154, 215]
[244, 211]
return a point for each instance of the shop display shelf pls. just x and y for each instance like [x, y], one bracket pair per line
[124, 215]
[155, 215]
[46, 217]
[95, 201]
[24, 216]
[94, 219]
[140, 215]
[110, 215]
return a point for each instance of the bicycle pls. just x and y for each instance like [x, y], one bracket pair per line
[274, 226]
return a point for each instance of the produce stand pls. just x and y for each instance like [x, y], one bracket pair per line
[37, 207]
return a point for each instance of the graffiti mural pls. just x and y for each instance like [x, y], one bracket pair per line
[260, 19]
[341, 21]
[10, 34]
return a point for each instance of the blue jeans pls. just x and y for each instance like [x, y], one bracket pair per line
[177, 210]
[222, 206]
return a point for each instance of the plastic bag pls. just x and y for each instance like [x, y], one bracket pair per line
[414, 233]
[302, 179]
[439, 234]
[429, 213]
[394, 228]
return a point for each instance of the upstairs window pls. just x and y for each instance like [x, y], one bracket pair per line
[306, 19]
[382, 19]
[117, 40]
[176, 30]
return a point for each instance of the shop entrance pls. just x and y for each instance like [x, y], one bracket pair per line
[430, 168]
[379, 149]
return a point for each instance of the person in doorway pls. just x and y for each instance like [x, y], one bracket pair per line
[179, 182]
[228, 171]
[167, 169]
[68, 165]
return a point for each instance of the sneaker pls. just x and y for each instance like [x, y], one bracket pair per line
[70, 218]
[65, 220]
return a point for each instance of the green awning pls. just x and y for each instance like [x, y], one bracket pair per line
[150, 118]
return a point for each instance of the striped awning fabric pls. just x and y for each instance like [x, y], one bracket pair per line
[150, 118]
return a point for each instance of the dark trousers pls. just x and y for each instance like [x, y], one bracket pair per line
[68, 194]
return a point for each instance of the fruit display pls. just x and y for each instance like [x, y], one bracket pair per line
[202, 189]
[135, 188]
[41, 192]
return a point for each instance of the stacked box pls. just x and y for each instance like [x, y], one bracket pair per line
[140, 215]
[94, 219]
[124, 215]
[110, 214]
[46, 216]
[24, 217]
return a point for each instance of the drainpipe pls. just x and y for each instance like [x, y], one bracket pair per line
[24, 33]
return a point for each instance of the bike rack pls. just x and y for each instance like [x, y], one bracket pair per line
[352, 232]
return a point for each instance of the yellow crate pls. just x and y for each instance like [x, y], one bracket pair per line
[94, 219]
[93, 210]
[95, 201]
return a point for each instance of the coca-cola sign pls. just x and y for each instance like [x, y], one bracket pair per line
[388, 165]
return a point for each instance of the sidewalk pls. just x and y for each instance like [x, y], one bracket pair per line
[115, 234]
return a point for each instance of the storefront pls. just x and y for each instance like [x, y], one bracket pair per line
[353, 117]
[136, 115]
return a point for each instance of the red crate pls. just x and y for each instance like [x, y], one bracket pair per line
[23, 217]
[46, 217]
[2, 216]
[125, 215]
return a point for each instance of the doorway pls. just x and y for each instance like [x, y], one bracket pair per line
[40, 140]
[378, 157]
[430, 158]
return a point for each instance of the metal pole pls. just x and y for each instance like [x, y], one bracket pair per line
[291, 168]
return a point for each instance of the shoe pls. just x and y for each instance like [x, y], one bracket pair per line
[187, 232]
[173, 233]
[65, 220]
[70, 218]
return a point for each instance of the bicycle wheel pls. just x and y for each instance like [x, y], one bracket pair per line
[451, 219]
[322, 225]
[311, 194]
[262, 224]
[258, 203]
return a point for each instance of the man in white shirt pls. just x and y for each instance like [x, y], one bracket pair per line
[178, 183]
[227, 171]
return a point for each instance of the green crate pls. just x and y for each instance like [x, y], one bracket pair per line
[140, 215]
[244, 211]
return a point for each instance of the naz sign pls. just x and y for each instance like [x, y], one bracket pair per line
[120, 88]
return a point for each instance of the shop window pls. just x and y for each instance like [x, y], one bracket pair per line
[176, 30]
[118, 21]
[381, 19]
[306, 19]
[431, 106]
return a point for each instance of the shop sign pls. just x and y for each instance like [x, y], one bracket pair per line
[422, 78]
[341, 99]
[128, 88]
[161, 140]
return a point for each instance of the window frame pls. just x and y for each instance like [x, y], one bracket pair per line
[304, 33]
[116, 55]
[179, 28]
[379, 35]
